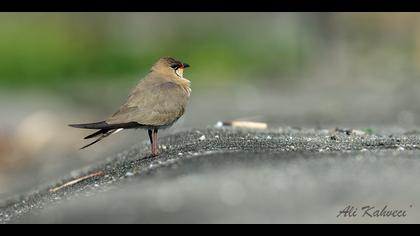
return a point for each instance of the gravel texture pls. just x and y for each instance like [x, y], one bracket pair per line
[228, 175]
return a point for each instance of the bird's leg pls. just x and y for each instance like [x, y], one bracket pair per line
[151, 140]
[155, 142]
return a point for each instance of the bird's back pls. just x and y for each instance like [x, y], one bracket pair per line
[157, 100]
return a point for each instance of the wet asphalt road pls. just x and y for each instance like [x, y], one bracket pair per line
[225, 175]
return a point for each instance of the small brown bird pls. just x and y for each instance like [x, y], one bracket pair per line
[158, 100]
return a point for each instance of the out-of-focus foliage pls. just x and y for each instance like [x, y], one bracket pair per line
[47, 49]
[50, 48]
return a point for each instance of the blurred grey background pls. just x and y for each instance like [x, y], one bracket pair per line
[288, 69]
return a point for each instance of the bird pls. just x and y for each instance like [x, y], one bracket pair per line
[157, 102]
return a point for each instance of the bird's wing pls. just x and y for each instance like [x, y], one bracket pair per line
[154, 103]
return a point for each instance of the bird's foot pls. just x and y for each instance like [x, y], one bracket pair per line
[155, 154]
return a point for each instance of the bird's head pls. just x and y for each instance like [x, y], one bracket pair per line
[169, 65]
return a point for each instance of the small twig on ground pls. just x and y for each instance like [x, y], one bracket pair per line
[73, 182]
[243, 124]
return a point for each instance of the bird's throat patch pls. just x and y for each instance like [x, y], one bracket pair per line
[180, 72]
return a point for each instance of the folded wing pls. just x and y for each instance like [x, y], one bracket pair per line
[154, 105]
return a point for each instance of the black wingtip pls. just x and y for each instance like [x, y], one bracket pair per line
[97, 125]
[78, 125]
[106, 126]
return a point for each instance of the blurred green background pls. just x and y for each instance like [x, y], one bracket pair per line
[41, 49]
[56, 51]
[47, 49]
[302, 69]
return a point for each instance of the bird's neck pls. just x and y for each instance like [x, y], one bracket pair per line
[185, 84]
[180, 80]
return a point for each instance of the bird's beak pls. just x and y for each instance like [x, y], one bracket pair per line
[185, 65]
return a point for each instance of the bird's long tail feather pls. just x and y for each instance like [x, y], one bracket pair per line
[96, 134]
[103, 134]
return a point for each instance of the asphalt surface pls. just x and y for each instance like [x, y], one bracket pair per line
[228, 175]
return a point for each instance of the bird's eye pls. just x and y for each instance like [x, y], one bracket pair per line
[174, 66]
